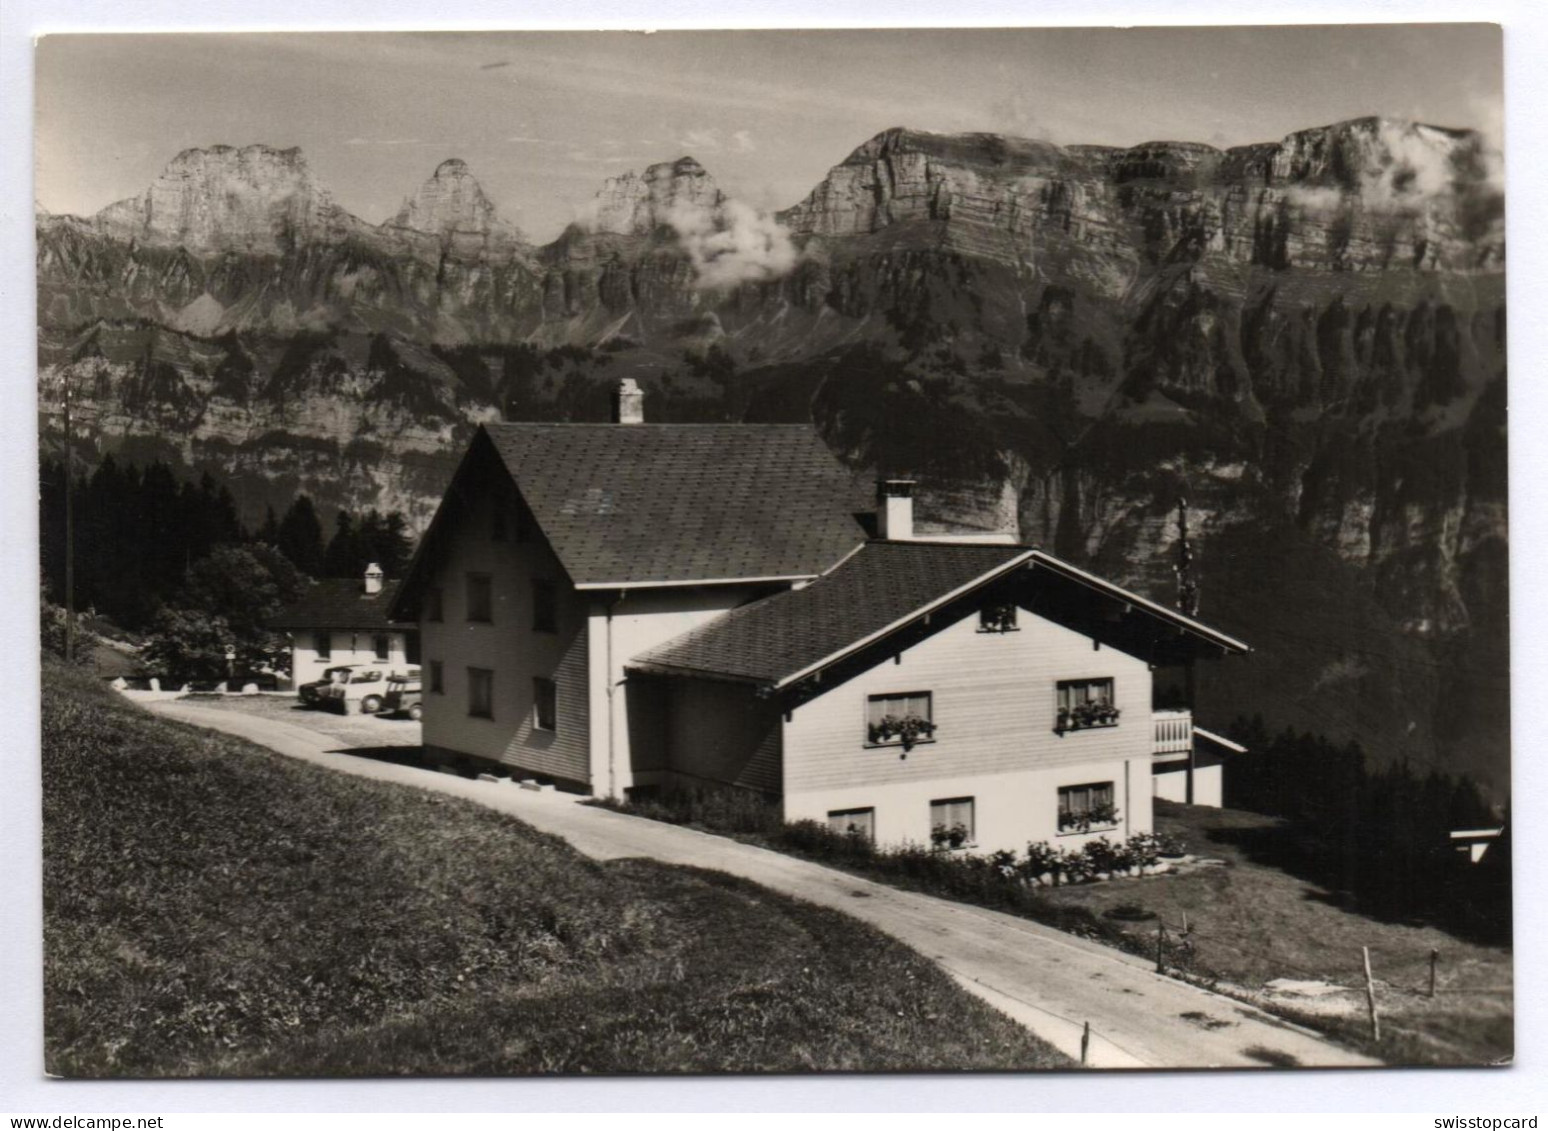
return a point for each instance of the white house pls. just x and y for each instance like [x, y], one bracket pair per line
[635, 606]
[344, 621]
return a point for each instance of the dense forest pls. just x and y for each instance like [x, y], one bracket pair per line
[1377, 839]
[170, 562]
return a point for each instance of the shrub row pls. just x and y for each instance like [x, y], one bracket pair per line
[1001, 880]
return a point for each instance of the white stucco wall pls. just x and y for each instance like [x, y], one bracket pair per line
[995, 706]
[348, 648]
[1172, 785]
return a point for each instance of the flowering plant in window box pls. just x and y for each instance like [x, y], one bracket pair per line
[949, 836]
[906, 729]
[1102, 816]
[1086, 715]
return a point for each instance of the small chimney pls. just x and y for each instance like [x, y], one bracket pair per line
[628, 403]
[373, 579]
[895, 509]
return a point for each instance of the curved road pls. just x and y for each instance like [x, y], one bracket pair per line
[1051, 982]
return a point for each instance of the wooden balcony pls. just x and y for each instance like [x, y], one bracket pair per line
[1173, 733]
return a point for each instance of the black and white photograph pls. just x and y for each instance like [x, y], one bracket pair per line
[783, 551]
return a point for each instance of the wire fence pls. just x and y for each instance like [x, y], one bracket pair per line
[1178, 949]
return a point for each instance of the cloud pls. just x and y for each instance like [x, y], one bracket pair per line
[387, 141]
[733, 245]
[709, 139]
[1402, 167]
[700, 140]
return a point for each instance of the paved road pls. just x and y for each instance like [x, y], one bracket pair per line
[1049, 981]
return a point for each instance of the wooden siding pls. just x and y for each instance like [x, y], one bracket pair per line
[643, 619]
[722, 732]
[510, 648]
[994, 698]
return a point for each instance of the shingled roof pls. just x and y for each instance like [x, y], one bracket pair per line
[340, 602]
[875, 589]
[662, 503]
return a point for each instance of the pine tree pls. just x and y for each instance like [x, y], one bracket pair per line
[342, 555]
[300, 537]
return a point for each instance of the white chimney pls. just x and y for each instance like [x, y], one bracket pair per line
[628, 403]
[373, 579]
[895, 509]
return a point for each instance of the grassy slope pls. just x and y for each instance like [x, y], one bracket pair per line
[213, 909]
[1253, 922]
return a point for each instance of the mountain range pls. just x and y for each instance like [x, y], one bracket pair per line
[1305, 338]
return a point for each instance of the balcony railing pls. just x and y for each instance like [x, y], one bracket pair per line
[1173, 732]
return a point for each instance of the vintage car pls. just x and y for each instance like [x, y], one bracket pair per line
[311, 694]
[362, 691]
[403, 695]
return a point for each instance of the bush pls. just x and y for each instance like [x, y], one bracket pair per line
[52, 631]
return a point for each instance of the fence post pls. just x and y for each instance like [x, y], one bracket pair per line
[1370, 995]
[1434, 956]
[1160, 937]
[1085, 1043]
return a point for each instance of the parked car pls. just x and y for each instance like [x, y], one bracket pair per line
[362, 691]
[403, 695]
[311, 694]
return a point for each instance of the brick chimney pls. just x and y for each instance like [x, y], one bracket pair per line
[373, 579]
[895, 509]
[628, 403]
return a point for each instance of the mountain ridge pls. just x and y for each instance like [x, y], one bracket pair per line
[1306, 336]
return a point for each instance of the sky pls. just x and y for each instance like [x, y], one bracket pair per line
[543, 117]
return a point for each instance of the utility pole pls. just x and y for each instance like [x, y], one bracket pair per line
[1188, 605]
[69, 524]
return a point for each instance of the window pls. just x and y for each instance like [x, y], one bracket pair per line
[899, 720]
[481, 693]
[544, 704]
[383, 645]
[411, 647]
[437, 678]
[1085, 703]
[434, 604]
[545, 606]
[853, 822]
[480, 603]
[325, 645]
[951, 822]
[1086, 807]
[497, 524]
[997, 618]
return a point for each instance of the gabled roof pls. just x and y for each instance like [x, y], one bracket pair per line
[870, 595]
[638, 504]
[882, 585]
[340, 602]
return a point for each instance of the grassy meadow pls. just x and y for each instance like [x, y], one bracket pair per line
[213, 909]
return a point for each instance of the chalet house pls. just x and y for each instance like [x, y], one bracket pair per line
[343, 621]
[633, 606]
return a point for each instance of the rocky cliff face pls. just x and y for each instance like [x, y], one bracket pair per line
[452, 206]
[1304, 337]
[254, 200]
[636, 205]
